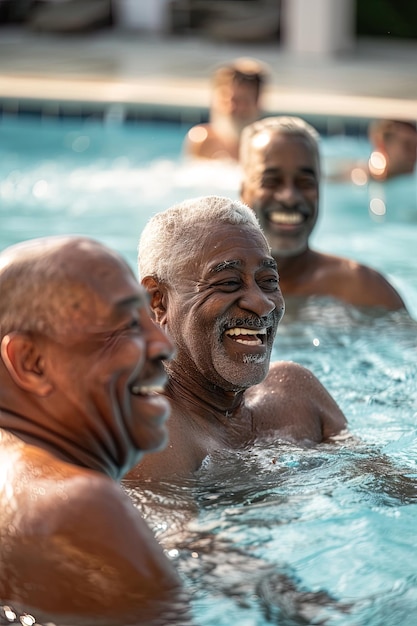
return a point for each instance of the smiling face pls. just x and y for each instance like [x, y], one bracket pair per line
[224, 310]
[106, 366]
[281, 184]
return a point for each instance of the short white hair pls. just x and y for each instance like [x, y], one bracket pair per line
[173, 237]
[282, 125]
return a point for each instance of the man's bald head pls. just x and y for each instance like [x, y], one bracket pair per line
[49, 282]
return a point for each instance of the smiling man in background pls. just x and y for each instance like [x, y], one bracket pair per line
[280, 182]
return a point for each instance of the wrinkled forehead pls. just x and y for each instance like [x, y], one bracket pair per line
[97, 282]
[109, 279]
[227, 242]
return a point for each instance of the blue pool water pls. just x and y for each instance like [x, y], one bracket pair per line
[275, 533]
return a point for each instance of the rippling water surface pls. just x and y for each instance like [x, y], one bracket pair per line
[274, 533]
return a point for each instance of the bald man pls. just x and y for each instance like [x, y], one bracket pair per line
[80, 363]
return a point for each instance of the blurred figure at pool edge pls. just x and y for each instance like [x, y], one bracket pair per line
[236, 101]
[280, 181]
[80, 357]
[395, 141]
[394, 153]
[214, 288]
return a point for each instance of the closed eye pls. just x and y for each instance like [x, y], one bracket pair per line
[134, 324]
[269, 284]
[270, 183]
[229, 285]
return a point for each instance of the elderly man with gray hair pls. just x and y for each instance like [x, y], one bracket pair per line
[213, 286]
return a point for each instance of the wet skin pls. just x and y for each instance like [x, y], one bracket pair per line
[78, 408]
[233, 107]
[224, 311]
[282, 187]
[222, 314]
[116, 356]
[100, 367]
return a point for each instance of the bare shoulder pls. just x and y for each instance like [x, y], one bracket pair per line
[294, 403]
[72, 505]
[93, 521]
[376, 290]
[359, 284]
[95, 497]
[288, 377]
[86, 528]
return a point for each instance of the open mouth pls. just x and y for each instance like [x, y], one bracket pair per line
[145, 390]
[247, 336]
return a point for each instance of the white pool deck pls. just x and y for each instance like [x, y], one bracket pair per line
[378, 78]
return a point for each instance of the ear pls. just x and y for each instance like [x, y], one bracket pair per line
[25, 363]
[158, 299]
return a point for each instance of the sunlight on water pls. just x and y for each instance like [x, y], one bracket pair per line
[275, 533]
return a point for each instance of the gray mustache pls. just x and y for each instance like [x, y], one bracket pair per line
[253, 322]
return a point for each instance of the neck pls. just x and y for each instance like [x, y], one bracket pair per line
[65, 446]
[293, 269]
[201, 398]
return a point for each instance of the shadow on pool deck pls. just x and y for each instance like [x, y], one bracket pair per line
[110, 66]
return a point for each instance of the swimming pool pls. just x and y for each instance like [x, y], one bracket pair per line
[280, 534]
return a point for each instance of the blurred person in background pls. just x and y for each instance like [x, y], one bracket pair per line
[236, 102]
[280, 163]
[393, 153]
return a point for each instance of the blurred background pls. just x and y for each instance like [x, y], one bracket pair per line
[97, 96]
[326, 56]
[375, 18]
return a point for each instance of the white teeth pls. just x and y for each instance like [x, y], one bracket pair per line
[139, 390]
[246, 331]
[250, 342]
[285, 218]
[239, 332]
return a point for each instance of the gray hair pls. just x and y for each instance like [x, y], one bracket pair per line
[173, 237]
[283, 125]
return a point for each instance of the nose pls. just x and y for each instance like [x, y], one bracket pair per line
[159, 345]
[287, 194]
[262, 303]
